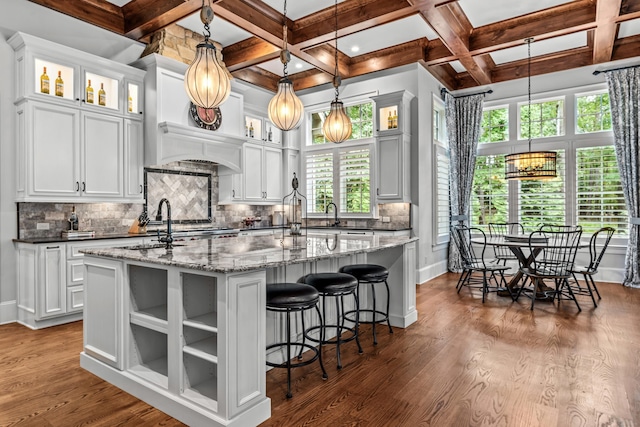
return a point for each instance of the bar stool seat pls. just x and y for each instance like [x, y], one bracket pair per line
[335, 285]
[294, 298]
[371, 274]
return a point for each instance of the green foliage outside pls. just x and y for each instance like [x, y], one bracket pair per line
[593, 113]
[361, 123]
[543, 201]
[489, 199]
[546, 119]
[495, 125]
[355, 183]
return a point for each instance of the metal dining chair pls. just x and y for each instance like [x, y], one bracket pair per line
[473, 262]
[496, 229]
[554, 263]
[589, 270]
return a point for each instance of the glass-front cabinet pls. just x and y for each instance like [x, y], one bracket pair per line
[79, 107]
[393, 112]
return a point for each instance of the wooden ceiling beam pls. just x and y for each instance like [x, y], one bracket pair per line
[454, 29]
[353, 16]
[145, 17]
[248, 53]
[100, 13]
[607, 12]
[396, 56]
[258, 77]
[557, 21]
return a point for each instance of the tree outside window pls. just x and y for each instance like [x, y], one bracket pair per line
[489, 197]
[543, 201]
[593, 113]
[361, 116]
[547, 119]
[495, 125]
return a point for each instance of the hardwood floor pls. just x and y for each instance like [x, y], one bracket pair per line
[462, 364]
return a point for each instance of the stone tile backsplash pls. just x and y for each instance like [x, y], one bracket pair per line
[115, 218]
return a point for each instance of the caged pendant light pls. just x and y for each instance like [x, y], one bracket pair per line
[531, 164]
[207, 80]
[285, 108]
[337, 126]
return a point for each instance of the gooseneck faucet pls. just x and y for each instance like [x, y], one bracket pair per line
[168, 239]
[336, 221]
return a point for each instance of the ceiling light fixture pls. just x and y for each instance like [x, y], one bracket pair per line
[532, 164]
[207, 80]
[285, 108]
[337, 126]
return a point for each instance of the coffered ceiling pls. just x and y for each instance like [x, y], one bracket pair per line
[463, 43]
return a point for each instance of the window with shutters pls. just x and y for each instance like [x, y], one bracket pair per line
[340, 173]
[441, 211]
[600, 201]
[489, 193]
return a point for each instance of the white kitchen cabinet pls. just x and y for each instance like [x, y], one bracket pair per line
[259, 128]
[392, 117]
[51, 280]
[260, 183]
[71, 146]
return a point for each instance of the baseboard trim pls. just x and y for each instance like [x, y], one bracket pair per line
[431, 271]
[8, 312]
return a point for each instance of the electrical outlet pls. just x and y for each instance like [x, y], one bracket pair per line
[42, 226]
[386, 219]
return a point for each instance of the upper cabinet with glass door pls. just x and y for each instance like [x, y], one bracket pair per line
[392, 113]
[258, 128]
[50, 72]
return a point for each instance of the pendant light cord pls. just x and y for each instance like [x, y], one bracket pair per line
[284, 39]
[336, 77]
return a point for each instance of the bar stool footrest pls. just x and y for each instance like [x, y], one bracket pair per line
[332, 341]
[294, 364]
[375, 313]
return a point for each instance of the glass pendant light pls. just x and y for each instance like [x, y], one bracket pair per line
[207, 81]
[337, 126]
[285, 108]
[532, 164]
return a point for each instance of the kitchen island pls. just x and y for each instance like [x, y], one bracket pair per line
[185, 329]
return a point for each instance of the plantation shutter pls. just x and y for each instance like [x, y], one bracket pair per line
[355, 189]
[319, 181]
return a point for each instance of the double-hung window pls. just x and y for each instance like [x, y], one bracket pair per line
[341, 173]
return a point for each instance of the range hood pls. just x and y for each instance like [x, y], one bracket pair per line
[179, 142]
[169, 133]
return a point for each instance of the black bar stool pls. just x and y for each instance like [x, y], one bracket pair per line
[334, 285]
[371, 274]
[294, 298]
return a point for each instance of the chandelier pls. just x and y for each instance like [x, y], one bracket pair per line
[337, 126]
[285, 108]
[206, 79]
[532, 164]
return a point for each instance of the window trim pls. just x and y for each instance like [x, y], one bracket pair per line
[575, 112]
[439, 146]
[498, 107]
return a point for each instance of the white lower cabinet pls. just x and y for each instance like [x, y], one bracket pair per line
[51, 280]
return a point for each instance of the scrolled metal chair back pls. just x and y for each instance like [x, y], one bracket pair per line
[559, 250]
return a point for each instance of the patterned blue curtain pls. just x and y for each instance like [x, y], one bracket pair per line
[624, 95]
[463, 116]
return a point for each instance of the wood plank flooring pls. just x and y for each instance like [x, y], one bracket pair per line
[462, 364]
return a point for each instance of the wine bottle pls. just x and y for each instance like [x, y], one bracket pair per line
[89, 96]
[73, 219]
[250, 129]
[269, 135]
[44, 81]
[130, 103]
[390, 121]
[59, 85]
[102, 95]
[395, 119]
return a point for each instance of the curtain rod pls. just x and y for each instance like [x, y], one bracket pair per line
[444, 90]
[595, 73]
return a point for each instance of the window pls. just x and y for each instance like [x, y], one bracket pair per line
[593, 113]
[355, 189]
[489, 194]
[495, 125]
[319, 181]
[547, 119]
[361, 116]
[341, 173]
[543, 201]
[441, 205]
[600, 201]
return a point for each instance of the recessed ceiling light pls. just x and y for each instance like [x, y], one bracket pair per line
[298, 65]
[355, 48]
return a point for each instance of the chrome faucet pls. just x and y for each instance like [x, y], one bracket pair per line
[168, 239]
[336, 221]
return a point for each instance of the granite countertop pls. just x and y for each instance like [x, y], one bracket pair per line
[60, 239]
[329, 227]
[251, 252]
